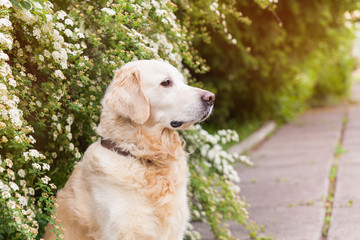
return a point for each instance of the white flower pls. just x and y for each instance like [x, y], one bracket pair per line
[54, 118]
[59, 74]
[60, 26]
[14, 186]
[6, 194]
[155, 4]
[47, 53]
[11, 174]
[26, 16]
[11, 204]
[214, 6]
[56, 56]
[6, 40]
[37, 33]
[77, 155]
[4, 187]
[53, 186]
[109, 11]
[69, 22]
[70, 119]
[41, 57]
[68, 32]
[38, 103]
[5, 3]
[36, 166]
[21, 173]
[71, 146]
[49, 17]
[22, 183]
[8, 162]
[23, 201]
[32, 139]
[34, 153]
[80, 35]
[31, 191]
[55, 135]
[69, 136]
[26, 156]
[46, 166]
[45, 179]
[57, 45]
[5, 23]
[61, 15]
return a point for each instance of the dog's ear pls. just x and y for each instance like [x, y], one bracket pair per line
[125, 96]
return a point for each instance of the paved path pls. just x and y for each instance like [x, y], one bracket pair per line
[289, 183]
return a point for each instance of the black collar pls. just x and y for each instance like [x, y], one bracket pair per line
[106, 143]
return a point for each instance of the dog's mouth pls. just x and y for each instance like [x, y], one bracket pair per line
[177, 124]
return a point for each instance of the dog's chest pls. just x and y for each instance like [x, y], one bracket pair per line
[146, 197]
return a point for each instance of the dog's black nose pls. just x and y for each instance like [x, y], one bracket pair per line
[208, 98]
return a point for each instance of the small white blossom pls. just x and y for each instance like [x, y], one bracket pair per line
[71, 146]
[12, 82]
[4, 56]
[34, 153]
[60, 26]
[23, 201]
[59, 74]
[47, 53]
[22, 183]
[31, 191]
[45, 179]
[14, 186]
[5, 3]
[37, 33]
[68, 32]
[11, 204]
[108, 11]
[69, 22]
[57, 45]
[46, 166]
[77, 155]
[6, 194]
[80, 35]
[36, 166]
[61, 15]
[6, 40]
[21, 173]
[9, 163]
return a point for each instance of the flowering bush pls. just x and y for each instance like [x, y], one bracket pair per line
[55, 66]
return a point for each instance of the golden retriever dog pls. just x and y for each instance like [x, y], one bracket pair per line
[132, 184]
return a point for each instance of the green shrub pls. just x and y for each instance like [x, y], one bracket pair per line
[273, 60]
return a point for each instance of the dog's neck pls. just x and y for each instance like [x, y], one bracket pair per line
[160, 146]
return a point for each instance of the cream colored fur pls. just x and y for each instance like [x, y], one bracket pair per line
[110, 196]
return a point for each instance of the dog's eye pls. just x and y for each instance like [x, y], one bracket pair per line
[166, 83]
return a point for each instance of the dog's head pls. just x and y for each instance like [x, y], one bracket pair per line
[154, 92]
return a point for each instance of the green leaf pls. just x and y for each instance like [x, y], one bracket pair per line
[26, 5]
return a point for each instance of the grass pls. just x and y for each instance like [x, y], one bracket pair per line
[329, 203]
